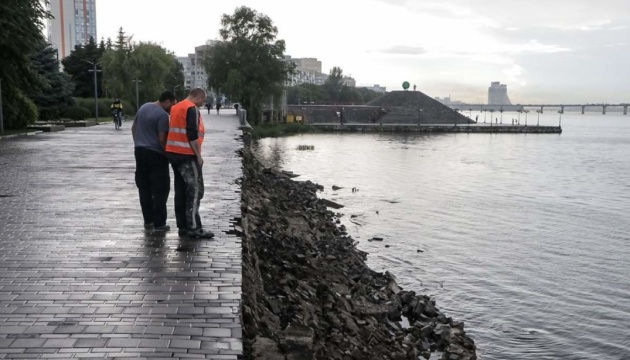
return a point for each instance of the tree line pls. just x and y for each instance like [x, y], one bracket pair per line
[332, 92]
[247, 65]
[35, 88]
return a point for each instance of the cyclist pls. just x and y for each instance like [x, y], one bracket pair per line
[117, 108]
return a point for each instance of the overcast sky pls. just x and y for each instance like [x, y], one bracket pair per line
[544, 50]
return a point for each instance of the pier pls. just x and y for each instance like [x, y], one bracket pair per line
[440, 128]
[540, 108]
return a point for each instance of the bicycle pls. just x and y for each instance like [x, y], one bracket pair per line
[117, 119]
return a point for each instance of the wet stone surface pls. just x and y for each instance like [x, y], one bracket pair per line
[79, 277]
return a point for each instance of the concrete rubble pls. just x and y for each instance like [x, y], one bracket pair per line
[308, 294]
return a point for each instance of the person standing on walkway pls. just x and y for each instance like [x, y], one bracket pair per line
[218, 106]
[183, 149]
[149, 131]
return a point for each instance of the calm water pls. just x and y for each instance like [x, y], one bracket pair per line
[525, 237]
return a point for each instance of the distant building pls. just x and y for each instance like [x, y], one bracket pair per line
[308, 64]
[497, 94]
[73, 23]
[194, 70]
[448, 101]
[307, 71]
[377, 88]
[349, 81]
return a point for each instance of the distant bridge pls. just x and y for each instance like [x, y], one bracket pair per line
[540, 107]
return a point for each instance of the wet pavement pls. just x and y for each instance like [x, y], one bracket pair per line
[79, 277]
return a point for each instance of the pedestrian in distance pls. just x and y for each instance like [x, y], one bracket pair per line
[183, 149]
[149, 131]
[218, 107]
[209, 106]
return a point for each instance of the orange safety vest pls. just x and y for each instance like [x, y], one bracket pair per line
[177, 140]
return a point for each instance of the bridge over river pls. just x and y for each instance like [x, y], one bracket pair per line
[539, 107]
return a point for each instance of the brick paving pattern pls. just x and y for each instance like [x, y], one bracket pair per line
[79, 277]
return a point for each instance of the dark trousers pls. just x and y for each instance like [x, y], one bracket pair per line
[154, 184]
[189, 190]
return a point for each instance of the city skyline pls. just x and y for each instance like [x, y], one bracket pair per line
[570, 51]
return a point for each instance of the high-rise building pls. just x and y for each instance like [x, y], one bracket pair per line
[306, 71]
[194, 68]
[73, 23]
[497, 94]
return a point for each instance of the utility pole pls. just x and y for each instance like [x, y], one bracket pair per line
[1, 112]
[137, 97]
[95, 71]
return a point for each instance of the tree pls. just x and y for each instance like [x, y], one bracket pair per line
[175, 79]
[21, 22]
[56, 95]
[307, 93]
[247, 64]
[156, 67]
[117, 74]
[77, 67]
[334, 84]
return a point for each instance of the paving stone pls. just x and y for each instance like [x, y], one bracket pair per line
[28, 343]
[91, 343]
[217, 332]
[59, 343]
[185, 344]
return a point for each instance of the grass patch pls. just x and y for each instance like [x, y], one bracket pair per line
[17, 131]
[277, 130]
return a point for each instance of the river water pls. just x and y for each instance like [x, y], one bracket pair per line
[525, 237]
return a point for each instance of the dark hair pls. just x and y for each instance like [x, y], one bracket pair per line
[167, 95]
[196, 92]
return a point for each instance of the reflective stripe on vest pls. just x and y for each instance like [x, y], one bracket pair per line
[177, 140]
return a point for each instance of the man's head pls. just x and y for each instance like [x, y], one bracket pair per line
[197, 96]
[116, 100]
[166, 100]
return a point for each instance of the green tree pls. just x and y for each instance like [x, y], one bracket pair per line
[307, 94]
[156, 68]
[77, 67]
[248, 63]
[21, 24]
[56, 95]
[117, 71]
[334, 84]
[175, 79]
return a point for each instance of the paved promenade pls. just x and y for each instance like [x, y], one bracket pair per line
[79, 278]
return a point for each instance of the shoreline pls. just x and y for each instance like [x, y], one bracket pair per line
[308, 293]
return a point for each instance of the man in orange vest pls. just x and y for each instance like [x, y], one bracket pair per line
[183, 149]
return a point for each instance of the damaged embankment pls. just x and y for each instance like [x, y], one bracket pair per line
[307, 293]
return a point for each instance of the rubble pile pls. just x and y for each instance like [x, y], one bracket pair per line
[307, 293]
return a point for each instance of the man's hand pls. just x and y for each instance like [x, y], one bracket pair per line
[200, 160]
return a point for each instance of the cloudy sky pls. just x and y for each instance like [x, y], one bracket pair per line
[544, 50]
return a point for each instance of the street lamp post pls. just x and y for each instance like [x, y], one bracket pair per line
[526, 111]
[1, 112]
[95, 71]
[137, 96]
[538, 122]
[560, 121]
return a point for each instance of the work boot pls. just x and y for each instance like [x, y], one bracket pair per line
[200, 233]
[163, 228]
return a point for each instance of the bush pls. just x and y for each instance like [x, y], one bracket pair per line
[277, 130]
[76, 113]
[104, 110]
[19, 110]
